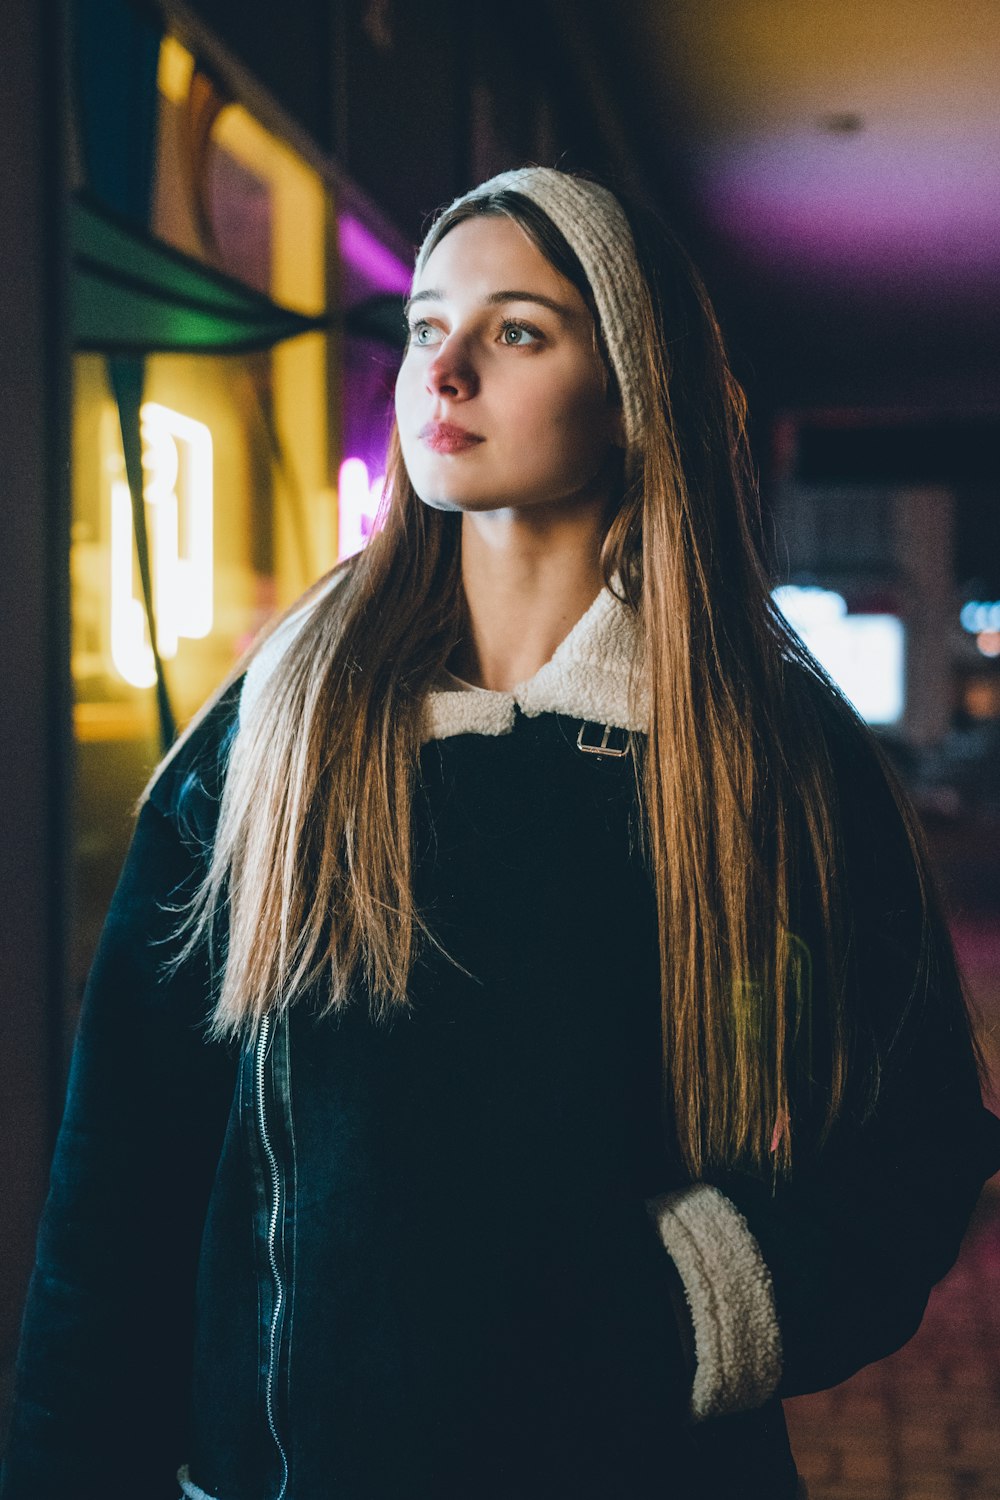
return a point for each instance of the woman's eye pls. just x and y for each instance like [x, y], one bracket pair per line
[421, 333]
[517, 334]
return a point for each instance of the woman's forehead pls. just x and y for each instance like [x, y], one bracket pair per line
[488, 253]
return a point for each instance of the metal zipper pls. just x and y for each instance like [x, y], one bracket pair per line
[272, 1237]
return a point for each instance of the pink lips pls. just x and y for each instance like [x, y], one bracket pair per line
[445, 437]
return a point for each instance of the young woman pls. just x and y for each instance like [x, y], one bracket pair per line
[525, 1044]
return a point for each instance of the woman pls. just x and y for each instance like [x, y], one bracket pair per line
[524, 1045]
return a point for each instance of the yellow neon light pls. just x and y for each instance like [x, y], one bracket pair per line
[177, 467]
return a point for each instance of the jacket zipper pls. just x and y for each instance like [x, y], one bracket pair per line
[272, 1239]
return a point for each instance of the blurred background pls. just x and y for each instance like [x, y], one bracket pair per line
[208, 213]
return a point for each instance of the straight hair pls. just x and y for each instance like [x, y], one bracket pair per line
[312, 863]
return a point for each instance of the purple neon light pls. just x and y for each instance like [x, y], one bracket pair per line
[383, 271]
[921, 208]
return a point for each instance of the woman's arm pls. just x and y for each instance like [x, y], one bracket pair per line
[795, 1287]
[103, 1373]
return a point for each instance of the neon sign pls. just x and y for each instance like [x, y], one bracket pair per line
[358, 499]
[177, 467]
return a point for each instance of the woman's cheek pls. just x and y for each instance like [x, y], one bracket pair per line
[583, 420]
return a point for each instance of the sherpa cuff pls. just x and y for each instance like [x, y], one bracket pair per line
[188, 1487]
[729, 1292]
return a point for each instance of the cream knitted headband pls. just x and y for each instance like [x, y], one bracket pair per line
[594, 224]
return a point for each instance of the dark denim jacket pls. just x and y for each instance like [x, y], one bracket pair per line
[417, 1260]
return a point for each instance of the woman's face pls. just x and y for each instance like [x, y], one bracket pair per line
[501, 399]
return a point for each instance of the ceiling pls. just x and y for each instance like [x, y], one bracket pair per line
[837, 166]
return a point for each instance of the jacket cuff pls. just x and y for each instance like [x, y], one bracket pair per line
[730, 1295]
[189, 1490]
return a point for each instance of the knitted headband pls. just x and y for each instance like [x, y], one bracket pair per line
[592, 221]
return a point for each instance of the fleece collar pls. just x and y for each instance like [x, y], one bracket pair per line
[587, 677]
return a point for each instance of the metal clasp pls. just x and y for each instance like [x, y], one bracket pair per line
[613, 752]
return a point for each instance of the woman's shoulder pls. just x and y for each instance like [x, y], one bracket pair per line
[882, 866]
[267, 659]
[879, 848]
[187, 788]
[861, 764]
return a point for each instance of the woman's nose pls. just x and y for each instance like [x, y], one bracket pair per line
[451, 372]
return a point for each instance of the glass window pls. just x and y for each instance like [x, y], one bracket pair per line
[240, 457]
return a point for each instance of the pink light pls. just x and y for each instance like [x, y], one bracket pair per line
[358, 499]
[381, 269]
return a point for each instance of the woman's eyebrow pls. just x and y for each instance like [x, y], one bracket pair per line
[495, 299]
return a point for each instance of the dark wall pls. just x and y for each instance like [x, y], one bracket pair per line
[35, 733]
[403, 81]
[288, 47]
[417, 101]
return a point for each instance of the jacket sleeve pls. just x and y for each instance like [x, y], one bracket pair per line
[795, 1285]
[103, 1372]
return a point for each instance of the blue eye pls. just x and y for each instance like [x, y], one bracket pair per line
[418, 330]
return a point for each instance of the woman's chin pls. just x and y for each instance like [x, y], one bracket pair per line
[439, 502]
[457, 500]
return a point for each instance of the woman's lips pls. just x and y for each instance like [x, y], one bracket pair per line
[445, 437]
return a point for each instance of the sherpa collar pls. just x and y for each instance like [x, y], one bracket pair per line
[586, 678]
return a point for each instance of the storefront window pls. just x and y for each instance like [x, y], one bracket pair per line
[240, 454]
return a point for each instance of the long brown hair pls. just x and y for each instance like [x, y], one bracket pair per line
[312, 860]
